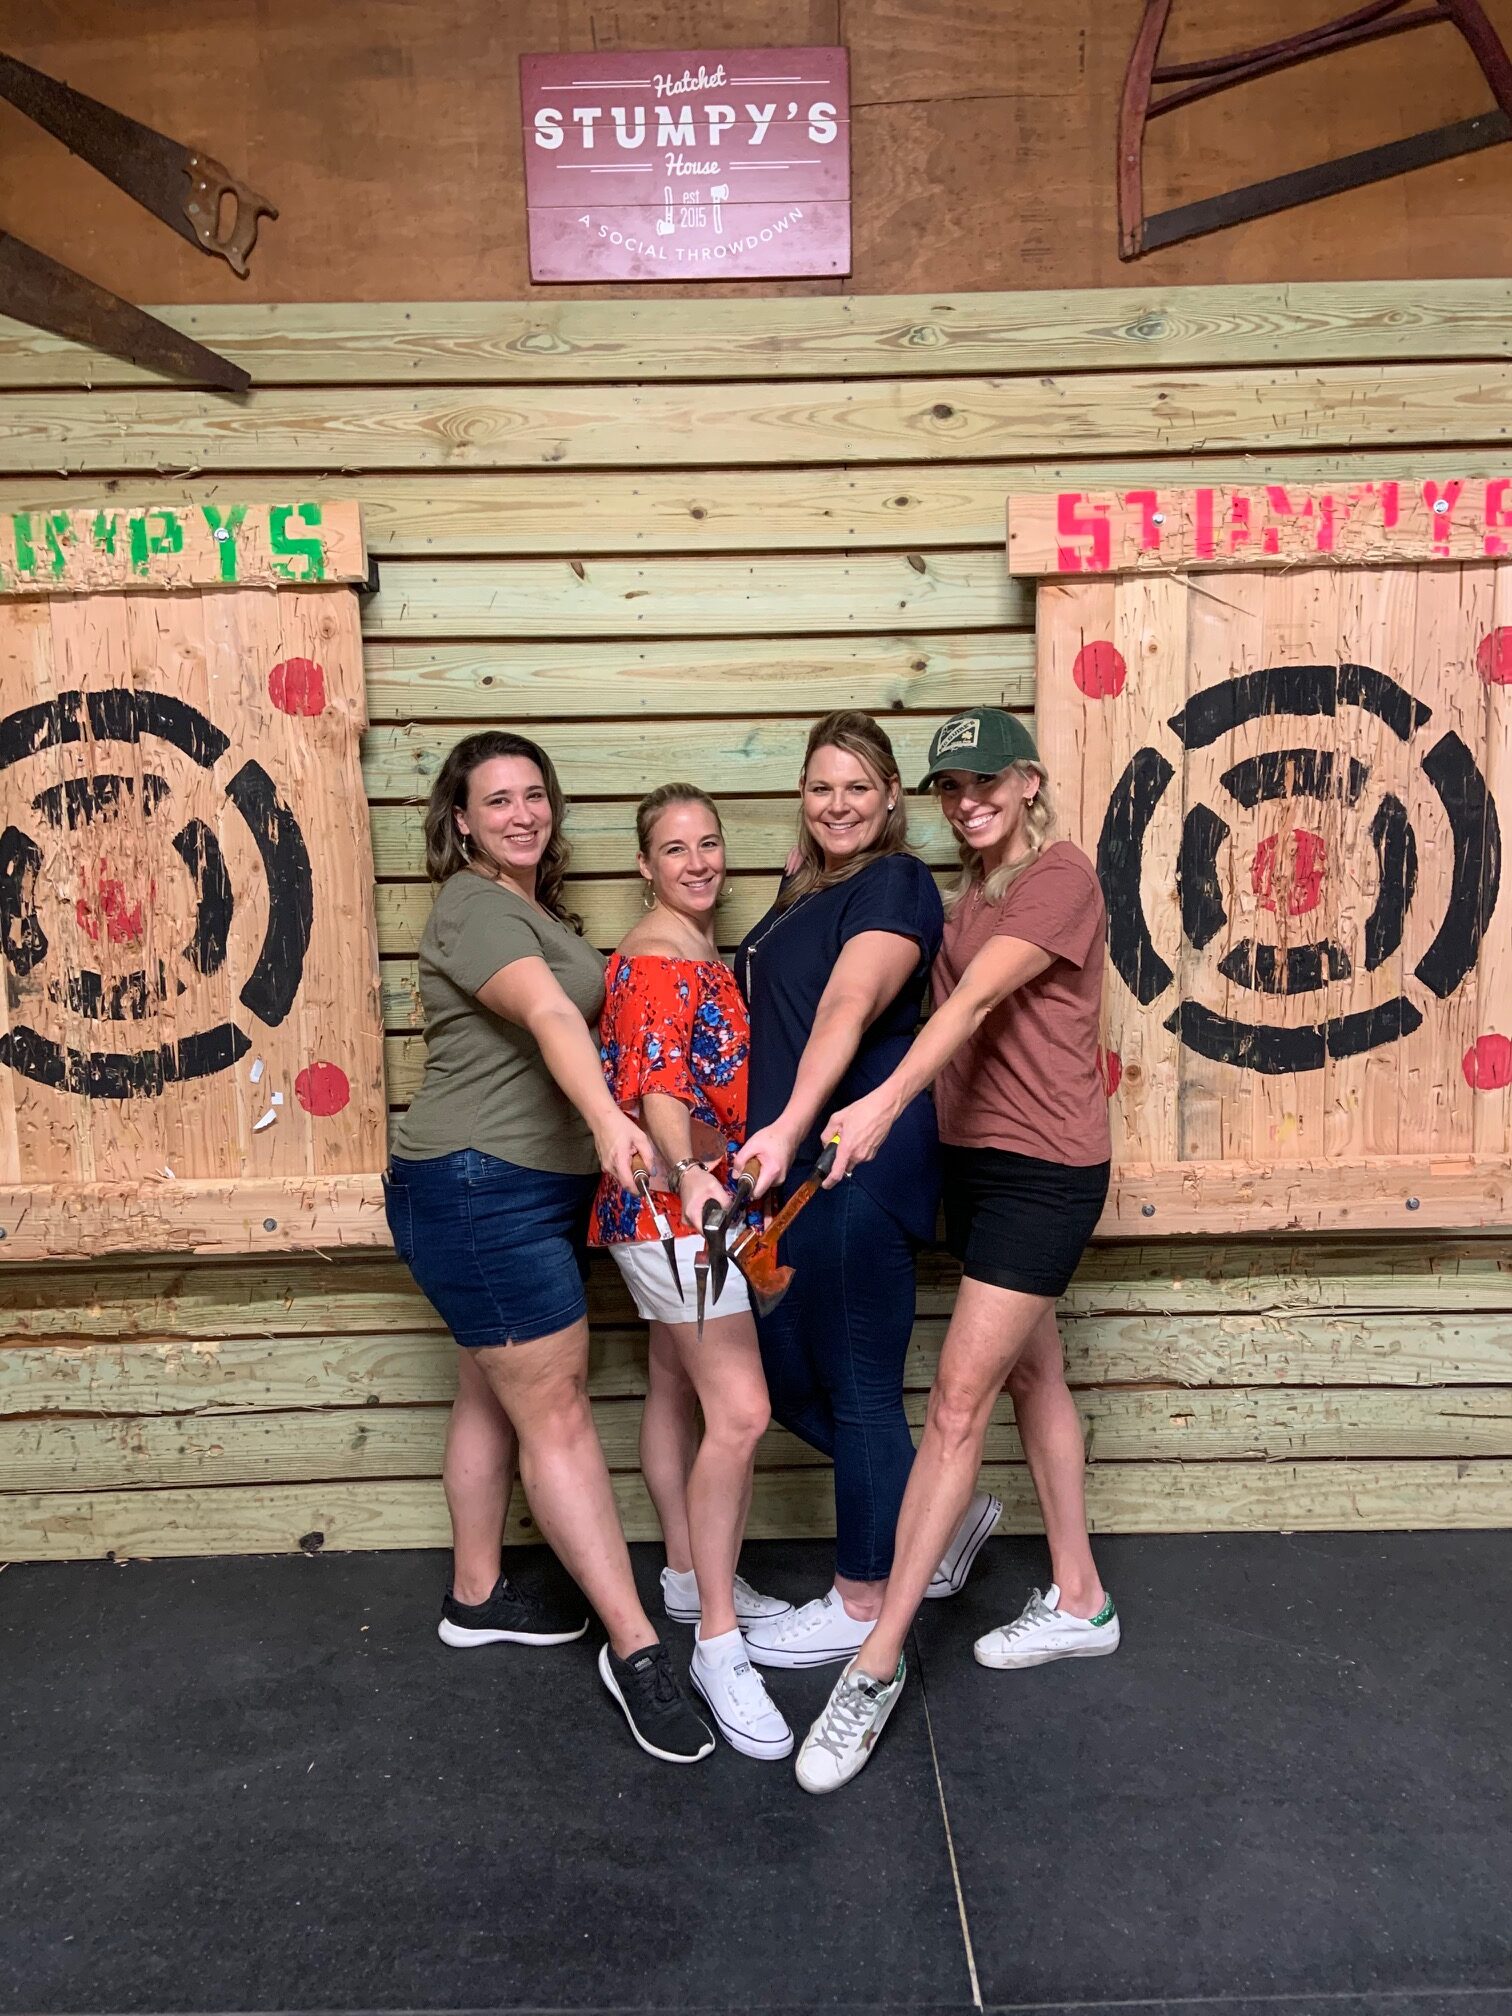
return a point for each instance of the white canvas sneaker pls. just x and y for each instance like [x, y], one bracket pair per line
[735, 1695]
[841, 1741]
[820, 1634]
[680, 1600]
[949, 1579]
[1042, 1632]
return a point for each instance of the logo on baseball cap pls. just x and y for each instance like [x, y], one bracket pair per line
[983, 740]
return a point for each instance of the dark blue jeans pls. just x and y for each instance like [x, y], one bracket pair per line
[834, 1350]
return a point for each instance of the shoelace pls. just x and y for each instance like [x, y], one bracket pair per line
[746, 1693]
[744, 1593]
[1035, 1612]
[657, 1681]
[844, 1721]
[802, 1621]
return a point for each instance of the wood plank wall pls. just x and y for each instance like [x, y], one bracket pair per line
[983, 141]
[664, 537]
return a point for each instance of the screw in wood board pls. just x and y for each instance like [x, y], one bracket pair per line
[1413, 1204]
[270, 1224]
[1147, 1210]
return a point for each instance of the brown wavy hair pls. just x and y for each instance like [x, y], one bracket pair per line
[859, 736]
[445, 853]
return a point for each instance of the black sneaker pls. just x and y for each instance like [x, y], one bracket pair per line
[660, 1715]
[513, 1616]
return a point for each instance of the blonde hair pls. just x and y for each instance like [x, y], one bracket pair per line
[1039, 824]
[859, 736]
[445, 852]
[656, 802]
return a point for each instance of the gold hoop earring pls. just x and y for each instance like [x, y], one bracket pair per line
[466, 839]
[648, 898]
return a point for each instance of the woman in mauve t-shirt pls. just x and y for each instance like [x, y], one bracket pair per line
[1011, 1050]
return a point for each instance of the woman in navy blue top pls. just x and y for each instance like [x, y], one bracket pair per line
[835, 976]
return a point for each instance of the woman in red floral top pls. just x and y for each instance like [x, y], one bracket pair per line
[676, 1047]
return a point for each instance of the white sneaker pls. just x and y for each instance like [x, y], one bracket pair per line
[841, 1741]
[735, 1695]
[820, 1634]
[1042, 1632]
[680, 1600]
[982, 1514]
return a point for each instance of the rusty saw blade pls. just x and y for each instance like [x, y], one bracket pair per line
[182, 187]
[36, 289]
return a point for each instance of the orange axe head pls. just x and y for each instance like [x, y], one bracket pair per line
[755, 1253]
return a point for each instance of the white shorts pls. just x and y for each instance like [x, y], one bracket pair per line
[649, 1279]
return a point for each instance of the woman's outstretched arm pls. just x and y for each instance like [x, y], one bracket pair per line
[871, 971]
[528, 992]
[1002, 965]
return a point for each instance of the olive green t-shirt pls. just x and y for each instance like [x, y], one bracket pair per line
[486, 1084]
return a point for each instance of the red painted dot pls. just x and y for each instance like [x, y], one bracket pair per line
[322, 1089]
[1110, 1065]
[1303, 885]
[1099, 671]
[122, 919]
[1487, 1064]
[297, 686]
[1493, 660]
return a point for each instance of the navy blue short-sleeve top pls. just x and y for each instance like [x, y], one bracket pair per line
[783, 966]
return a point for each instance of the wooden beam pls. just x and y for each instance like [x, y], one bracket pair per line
[344, 1444]
[945, 419]
[1454, 1191]
[627, 677]
[1256, 1290]
[193, 1215]
[1121, 1497]
[235, 544]
[701, 597]
[1158, 527]
[888, 336]
[919, 506]
[412, 1363]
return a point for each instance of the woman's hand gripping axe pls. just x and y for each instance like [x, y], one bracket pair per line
[755, 1252]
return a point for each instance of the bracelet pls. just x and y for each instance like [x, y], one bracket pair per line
[680, 1169]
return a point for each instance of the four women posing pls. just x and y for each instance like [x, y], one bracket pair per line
[704, 1073]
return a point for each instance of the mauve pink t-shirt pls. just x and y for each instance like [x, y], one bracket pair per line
[1028, 1081]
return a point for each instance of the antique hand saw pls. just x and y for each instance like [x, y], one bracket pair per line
[1138, 233]
[185, 189]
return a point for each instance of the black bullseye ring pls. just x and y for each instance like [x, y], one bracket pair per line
[1305, 692]
[118, 714]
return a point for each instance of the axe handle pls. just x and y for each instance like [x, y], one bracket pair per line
[775, 1227]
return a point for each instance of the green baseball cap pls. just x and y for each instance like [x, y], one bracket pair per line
[983, 740]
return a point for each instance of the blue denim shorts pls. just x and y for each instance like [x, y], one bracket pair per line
[498, 1251]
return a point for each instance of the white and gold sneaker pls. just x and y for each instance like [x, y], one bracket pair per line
[1042, 1631]
[841, 1741]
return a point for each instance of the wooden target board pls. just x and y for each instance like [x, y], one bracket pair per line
[1281, 726]
[190, 1032]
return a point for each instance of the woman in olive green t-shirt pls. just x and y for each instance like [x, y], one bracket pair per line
[488, 1192]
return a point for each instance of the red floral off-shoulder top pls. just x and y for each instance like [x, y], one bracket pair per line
[677, 1026]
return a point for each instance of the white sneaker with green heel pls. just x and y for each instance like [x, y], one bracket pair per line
[1042, 1631]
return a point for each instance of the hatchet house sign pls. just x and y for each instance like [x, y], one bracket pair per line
[687, 164]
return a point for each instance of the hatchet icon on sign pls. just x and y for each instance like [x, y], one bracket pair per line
[719, 194]
[664, 224]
